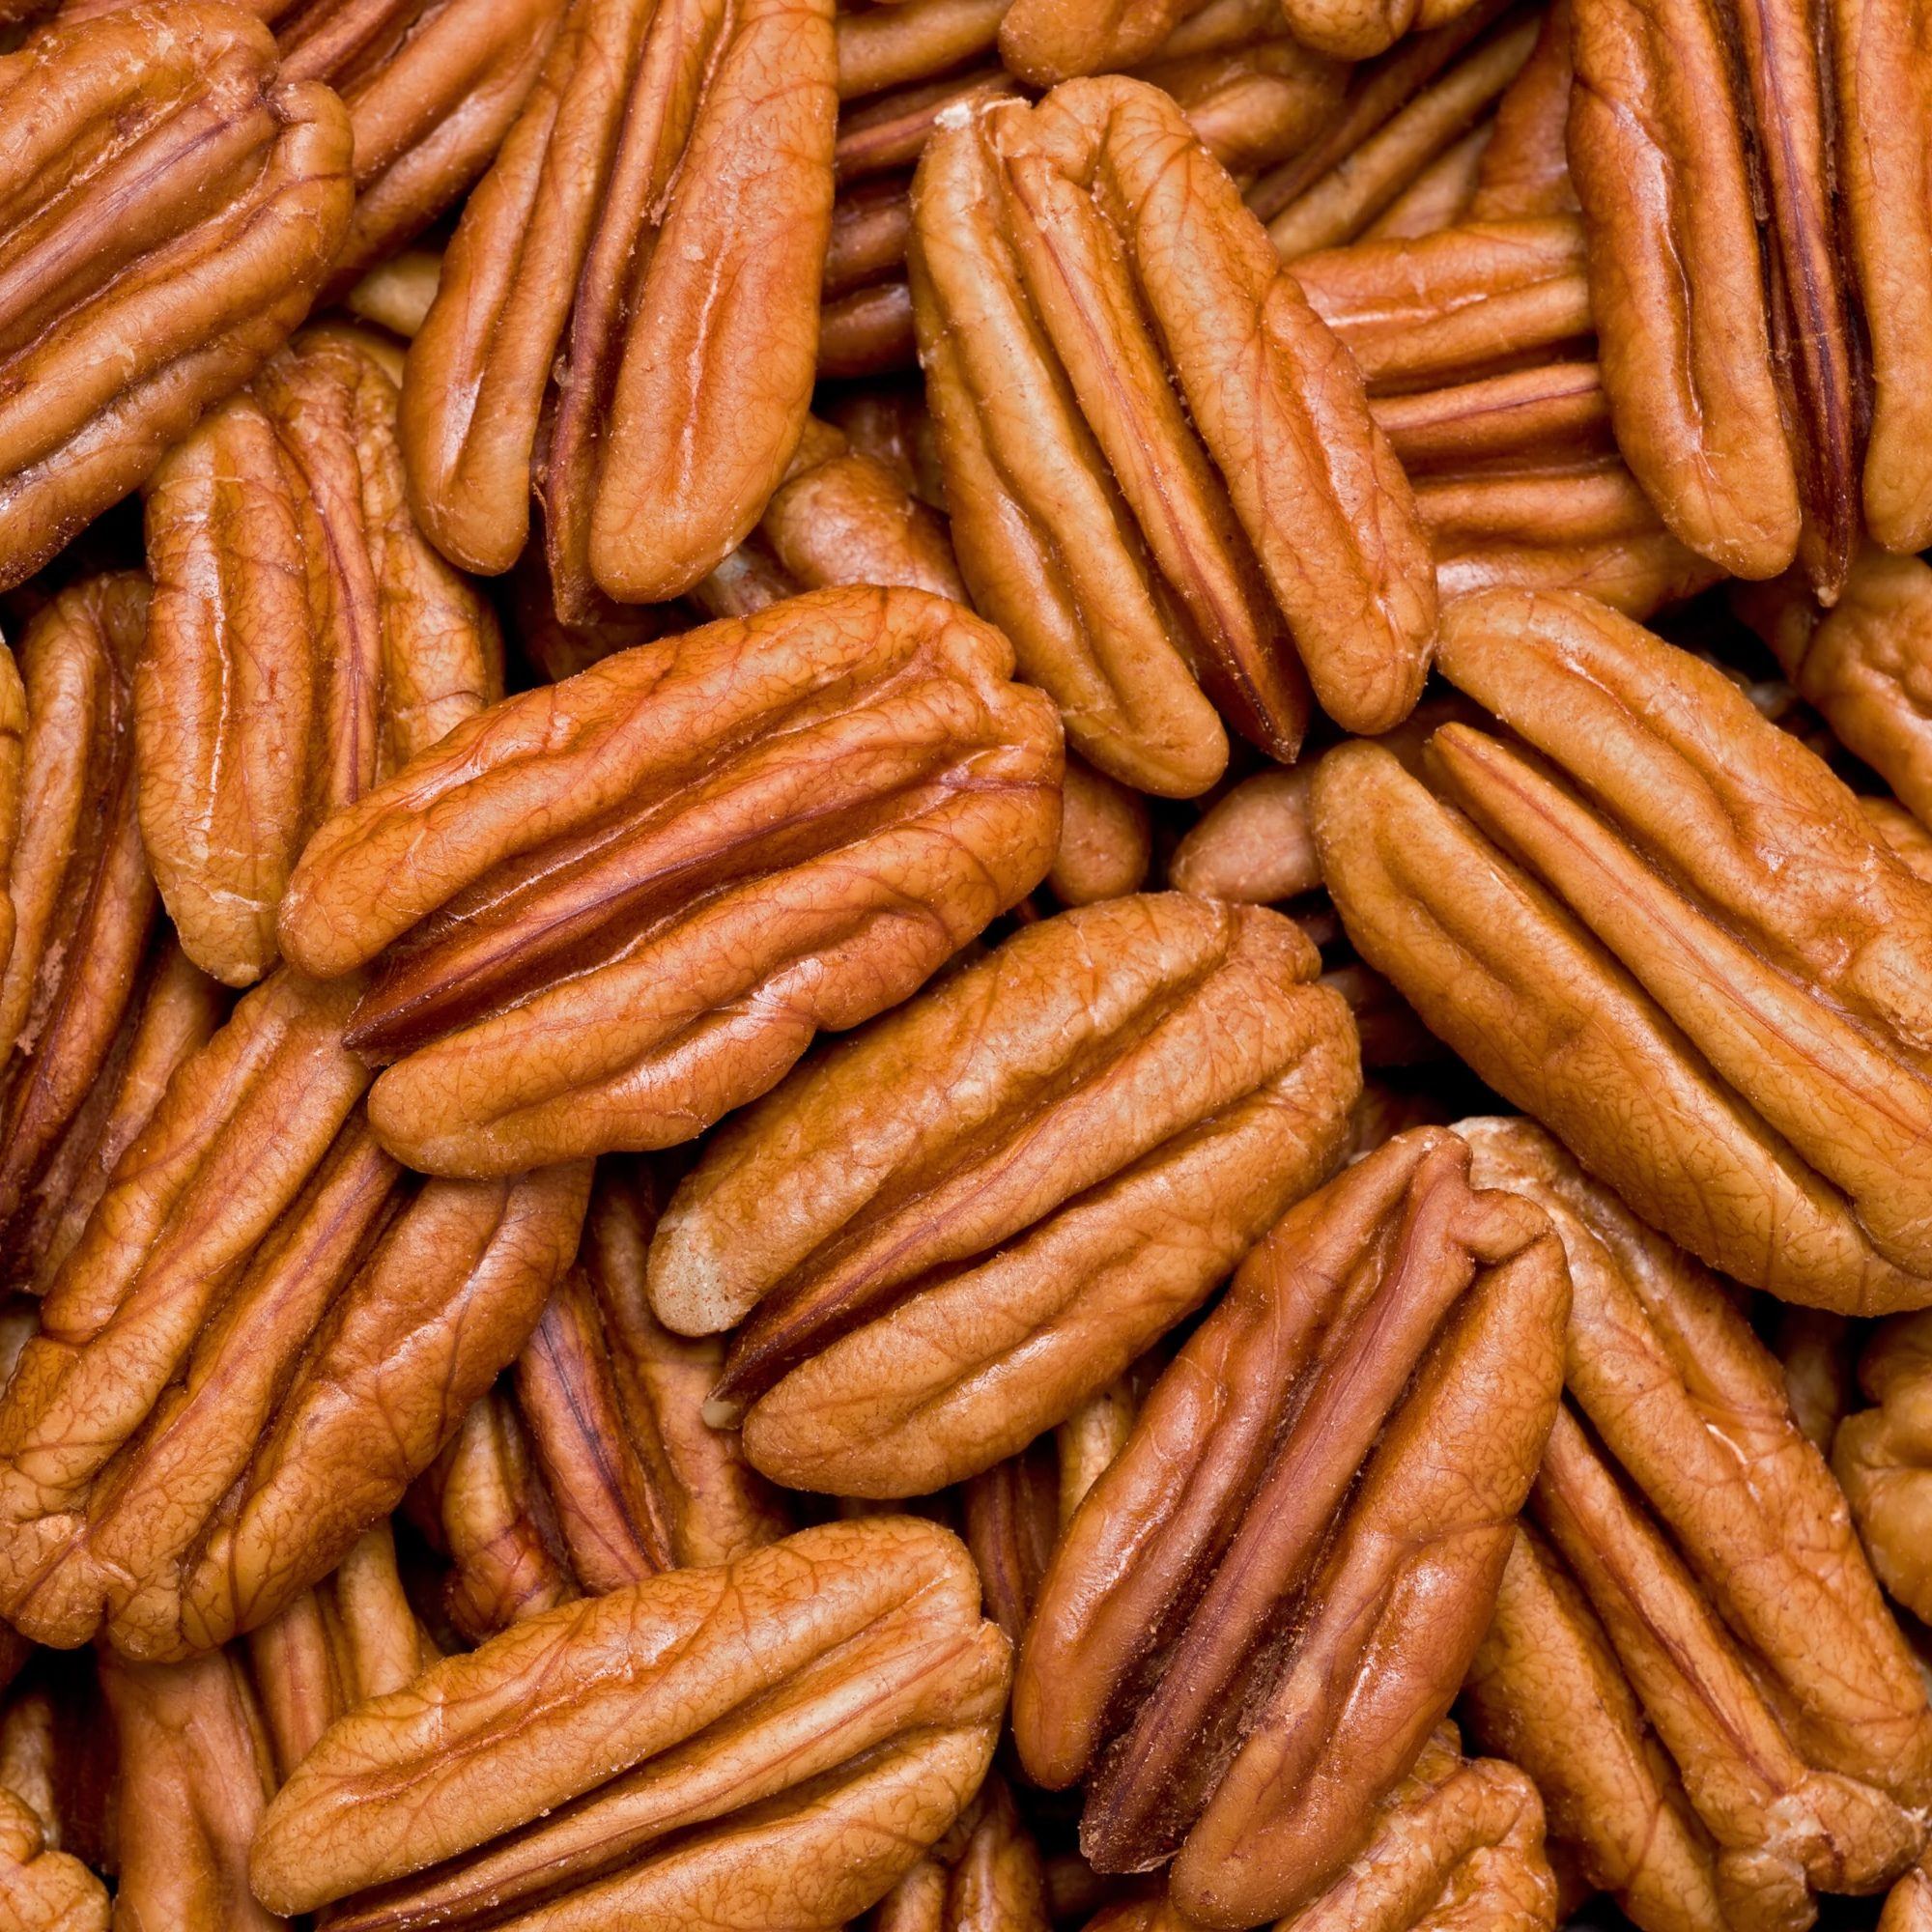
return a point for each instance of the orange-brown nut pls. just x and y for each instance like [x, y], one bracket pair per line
[609, 910]
[944, 1234]
[263, 1332]
[1160, 465]
[749, 1746]
[1106, 838]
[396, 294]
[172, 205]
[627, 318]
[890, 46]
[304, 642]
[1048, 40]
[1815, 1347]
[1697, 1550]
[1525, 165]
[1242, 1648]
[43, 1889]
[1907, 1905]
[1883, 1456]
[984, 1875]
[1359, 29]
[1667, 932]
[1255, 844]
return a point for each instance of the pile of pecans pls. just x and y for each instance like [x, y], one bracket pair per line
[965, 965]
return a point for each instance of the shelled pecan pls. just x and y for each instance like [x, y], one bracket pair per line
[1241, 1649]
[396, 294]
[1815, 1347]
[1883, 1456]
[776, 1739]
[172, 204]
[263, 1333]
[1525, 164]
[944, 1234]
[1106, 838]
[81, 901]
[303, 643]
[1667, 932]
[1255, 844]
[803, 814]
[1753, 182]
[653, 230]
[984, 1875]
[1074, 265]
[41, 1889]
[1691, 1658]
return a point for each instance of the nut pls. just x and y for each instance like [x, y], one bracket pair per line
[40, 1887]
[810, 810]
[983, 1178]
[1241, 1649]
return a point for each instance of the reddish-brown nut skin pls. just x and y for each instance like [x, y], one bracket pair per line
[1907, 1905]
[1723, 1575]
[983, 1176]
[1255, 844]
[1048, 40]
[1240, 1650]
[1733, 1039]
[656, 222]
[263, 1333]
[172, 206]
[195, 1773]
[1079, 269]
[985, 1875]
[1883, 1456]
[815, 1715]
[888, 46]
[80, 897]
[41, 1889]
[303, 640]
[1106, 838]
[1360, 29]
[809, 811]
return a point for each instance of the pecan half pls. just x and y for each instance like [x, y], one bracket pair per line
[172, 205]
[1239, 1647]
[1883, 1456]
[769, 1741]
[1081, 269]
[984, 1875]
[654, 226]
[303, 641]
[621, 906]
[1666, 930]
[43, 1890]
[263, 1333]
[1699, 1549]
[1020, 1125]
[81, 901]
[1752, 178]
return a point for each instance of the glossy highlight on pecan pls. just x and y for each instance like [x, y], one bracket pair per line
[652, 228]
[1240, 1647]
[1666, 929]
[983, 1177]
[303, 643]
[770, 1740]
[1081, 269]
[1696, 1564]
[263, 1332]
[618, 907]
[172, 205]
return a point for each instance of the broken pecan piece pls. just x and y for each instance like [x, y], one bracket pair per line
[984, 1875]
[627, 318]
[263, 1333]
[759, 1743]
[1239, 1647]
[171, 207]
[1106, 838]
[1883, 1456]
[1666, 930]
[1699, 1549]
[618, 907]
[945, 1233]
[303, 641]
[1160, 464]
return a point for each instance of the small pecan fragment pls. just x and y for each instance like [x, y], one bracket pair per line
[1106, 838]
[263, 1333]
[1255, 844]
[303, 641]
[172, 205]
[1239, 1647]
[888, 45]
[979, 1178]
[1686, 950]
[653, 228]
[1081, 271]
[754, 1744]
[621, 906]
[1721, 1575]
[194, 1777]
[43, 1890]
[1883, 1456]
[396, 294]
[984, 1875]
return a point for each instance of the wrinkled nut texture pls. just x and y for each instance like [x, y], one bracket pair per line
[984, 1875]
[1082, 269]
[609, 910]
[171, 207]
[1883, 1456]
[652, 231]
[746, 1746]
[944, 1234]
[265, 1330]
[1698, 1551]
[1687, 951]
[304, 642]
[1240, 1648]
[81, 902]
[43, 1890]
